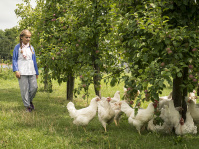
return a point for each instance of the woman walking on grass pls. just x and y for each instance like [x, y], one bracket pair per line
[25, 68]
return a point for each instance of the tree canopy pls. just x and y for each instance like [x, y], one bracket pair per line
[158, 39]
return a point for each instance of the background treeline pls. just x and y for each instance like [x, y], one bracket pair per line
[8, 40]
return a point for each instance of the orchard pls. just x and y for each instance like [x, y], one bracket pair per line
[93, 39]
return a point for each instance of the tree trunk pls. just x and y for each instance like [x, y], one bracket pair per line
[179, 94]
[96, 80]
[96, 77]
[70, 87]
[47, 81]
[184, 104]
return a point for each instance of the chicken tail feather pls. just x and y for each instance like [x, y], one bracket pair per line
[71, 109]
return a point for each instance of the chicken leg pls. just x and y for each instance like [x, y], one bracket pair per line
[84, 128]
[115, 122]
[105, 128]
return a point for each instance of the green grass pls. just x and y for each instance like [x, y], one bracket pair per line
[50, 127]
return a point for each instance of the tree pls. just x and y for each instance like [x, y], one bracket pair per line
[71, 39]
[181, 9]
[31, 19]
[159, 43]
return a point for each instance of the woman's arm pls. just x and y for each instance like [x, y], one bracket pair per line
[15, 58]
[35, 62]
[15, 61]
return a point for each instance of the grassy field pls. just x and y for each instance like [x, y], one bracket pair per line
[50, 127]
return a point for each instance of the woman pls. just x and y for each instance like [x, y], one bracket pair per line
[25, 68]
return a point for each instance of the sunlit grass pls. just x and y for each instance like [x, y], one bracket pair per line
[50, 127]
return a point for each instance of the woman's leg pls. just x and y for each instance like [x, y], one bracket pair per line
[24, 88]
[32, 87]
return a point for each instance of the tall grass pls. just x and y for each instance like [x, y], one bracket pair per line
[50, 127]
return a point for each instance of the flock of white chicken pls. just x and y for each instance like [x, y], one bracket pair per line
[111, 109]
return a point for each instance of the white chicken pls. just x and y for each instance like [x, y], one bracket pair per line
[116, 97]
[166, 97]
[127, 109]
[193, 96]
[186, 128]
[117, 108]
[171, 118]
[83, 116]
[167, 125]
[158, 128]
[194, 110]
[170, 115]
[143, 116]
[105, 112]
[164, 100]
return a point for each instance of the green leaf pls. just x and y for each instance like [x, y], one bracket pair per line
[140, 70]
[136, 67]
[179, 74]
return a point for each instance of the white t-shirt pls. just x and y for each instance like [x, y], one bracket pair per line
[25, 64]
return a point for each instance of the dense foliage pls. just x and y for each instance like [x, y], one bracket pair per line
[157, 39]
[8, 40]
[155, 47]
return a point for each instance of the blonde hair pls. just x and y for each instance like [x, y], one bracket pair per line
[23, 33]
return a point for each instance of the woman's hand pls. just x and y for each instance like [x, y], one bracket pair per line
[37, 76]
[17, 73]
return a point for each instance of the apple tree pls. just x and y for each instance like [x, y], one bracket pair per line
[159, 41]
[72, 40]
[30, 19]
